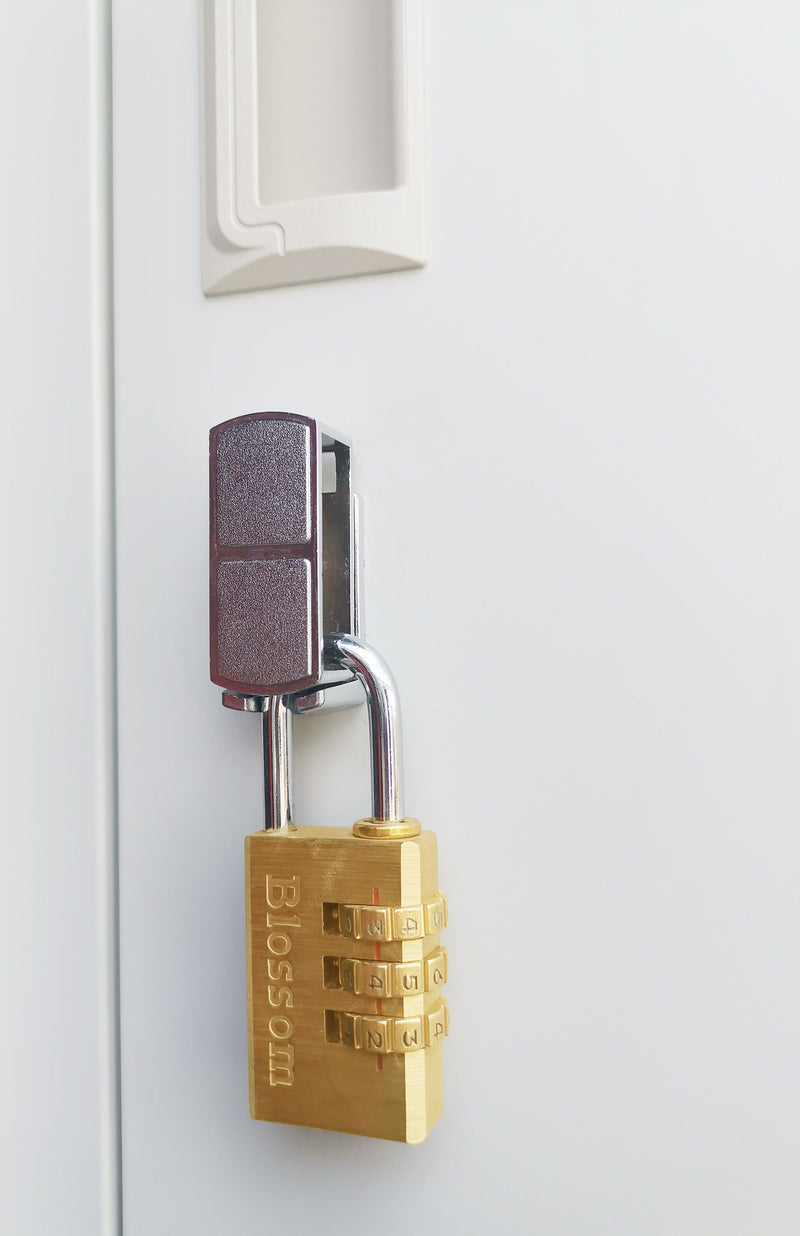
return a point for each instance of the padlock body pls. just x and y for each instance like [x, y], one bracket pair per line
[346, 1017]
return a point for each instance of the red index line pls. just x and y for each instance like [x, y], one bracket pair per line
[377, 948]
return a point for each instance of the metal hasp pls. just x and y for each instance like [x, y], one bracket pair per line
[283, 552]
[284, 596]
[284, 569]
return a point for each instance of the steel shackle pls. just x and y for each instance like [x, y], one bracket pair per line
[383, 710]
[385, 734]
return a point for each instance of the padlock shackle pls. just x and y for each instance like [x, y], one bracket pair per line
[383, 709]
[276, 737]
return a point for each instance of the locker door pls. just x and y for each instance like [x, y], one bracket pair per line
[577, 441]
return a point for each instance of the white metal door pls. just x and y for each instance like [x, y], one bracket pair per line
[577, 440]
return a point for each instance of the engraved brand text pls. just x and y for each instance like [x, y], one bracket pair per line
[283, 897]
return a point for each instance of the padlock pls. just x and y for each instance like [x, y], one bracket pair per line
[345, 967]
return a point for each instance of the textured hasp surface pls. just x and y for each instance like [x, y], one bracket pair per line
[264, 578]
[345, 968]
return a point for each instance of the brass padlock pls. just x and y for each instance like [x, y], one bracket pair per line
[345, 967]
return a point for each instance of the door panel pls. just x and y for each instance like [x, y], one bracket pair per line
[587, 406]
